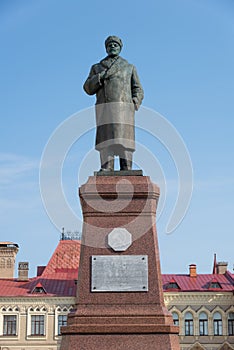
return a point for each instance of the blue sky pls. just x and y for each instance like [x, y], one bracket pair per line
[183, 51]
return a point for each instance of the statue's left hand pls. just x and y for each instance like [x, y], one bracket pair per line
[136, 105]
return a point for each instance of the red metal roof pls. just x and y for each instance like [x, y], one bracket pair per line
[201, 283]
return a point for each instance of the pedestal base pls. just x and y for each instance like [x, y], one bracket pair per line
[119, 320]
[121, 342]
[120, 328]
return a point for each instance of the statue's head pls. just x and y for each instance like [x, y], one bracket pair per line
[113, 45]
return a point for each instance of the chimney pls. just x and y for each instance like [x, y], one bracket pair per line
[192, 270]
[8, 251]
[40, 270]
[23, 268]
[222, 267]
[214, 266]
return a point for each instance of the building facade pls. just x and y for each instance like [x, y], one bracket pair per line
[32, 310]
[202, 305]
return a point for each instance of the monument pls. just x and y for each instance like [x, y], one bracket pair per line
[118, 94]
[119, 303]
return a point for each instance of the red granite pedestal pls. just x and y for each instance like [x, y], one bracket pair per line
[123, 320]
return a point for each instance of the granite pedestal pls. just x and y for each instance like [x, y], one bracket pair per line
[133, 316]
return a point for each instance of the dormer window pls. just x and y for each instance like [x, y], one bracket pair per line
[39, 289]
[171, 285]
[214, 284]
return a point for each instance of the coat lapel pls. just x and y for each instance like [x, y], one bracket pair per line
[112, 67]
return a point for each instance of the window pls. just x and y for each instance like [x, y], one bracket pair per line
[215, 285]
[62, 321]
[38, 290]
[231, 323]
[9, 325]
[2, 263]
[171, 285]
[9, 263]
[203, 324]
[217, 321]
[188, 323]
[175, 318]
[37, 325]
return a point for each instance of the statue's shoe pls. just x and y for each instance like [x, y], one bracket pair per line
[106, 169]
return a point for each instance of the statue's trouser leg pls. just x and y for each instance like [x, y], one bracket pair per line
[125, 159]
[107, 159]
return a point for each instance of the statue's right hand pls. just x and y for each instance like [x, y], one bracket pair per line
[102, 75]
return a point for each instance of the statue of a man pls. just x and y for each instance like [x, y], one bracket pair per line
[118, 94]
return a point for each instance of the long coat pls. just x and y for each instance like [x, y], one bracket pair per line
[114, 101]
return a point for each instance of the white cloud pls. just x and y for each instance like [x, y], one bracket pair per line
[14, 167]
[215, 183]
[18, 183]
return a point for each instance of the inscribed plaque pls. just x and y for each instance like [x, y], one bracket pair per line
[119, 273]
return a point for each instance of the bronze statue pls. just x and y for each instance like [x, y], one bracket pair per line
[118, 94]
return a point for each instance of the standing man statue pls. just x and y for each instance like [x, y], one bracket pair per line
[118, 94]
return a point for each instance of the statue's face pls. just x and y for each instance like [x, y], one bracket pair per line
[113, 49]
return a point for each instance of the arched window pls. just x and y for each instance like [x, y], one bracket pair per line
[62, 321]
[9, 325]
[188, 323]
[38, 325]
[218, 326]
[9, 263]
[175, 318]
[2, 263]
[231, 323]
[203, 324]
